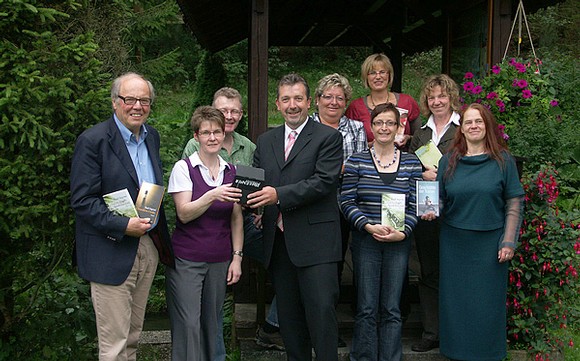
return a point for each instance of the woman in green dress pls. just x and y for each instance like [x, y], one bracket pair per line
[482, 209]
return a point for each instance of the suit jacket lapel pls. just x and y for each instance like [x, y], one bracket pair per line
[153, 155]
[278, 146]
[120, 150]
[301, 141]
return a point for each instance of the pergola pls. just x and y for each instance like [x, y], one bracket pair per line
[473, 34]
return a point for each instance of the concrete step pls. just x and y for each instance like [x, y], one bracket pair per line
[159, 341]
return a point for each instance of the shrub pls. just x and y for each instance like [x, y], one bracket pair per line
[543, 279]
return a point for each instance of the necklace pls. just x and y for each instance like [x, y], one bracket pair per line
[373, 101]
[473, 154]
[379, 162]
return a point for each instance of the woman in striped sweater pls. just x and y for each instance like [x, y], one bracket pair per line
[380, 251]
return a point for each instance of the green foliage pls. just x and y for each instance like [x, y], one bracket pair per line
[543, 289]
[210, 76]
[49, 92]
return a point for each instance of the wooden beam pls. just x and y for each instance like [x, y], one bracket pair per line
[258, 104]
[258, 70]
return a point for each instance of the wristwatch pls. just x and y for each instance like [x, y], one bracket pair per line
[238, 253]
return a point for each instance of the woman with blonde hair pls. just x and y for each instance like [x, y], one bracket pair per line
[377, 75]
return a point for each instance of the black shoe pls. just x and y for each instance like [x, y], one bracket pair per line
[425, 345]
[269, 340]
[341, 342]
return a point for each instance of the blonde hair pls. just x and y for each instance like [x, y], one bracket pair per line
[367, 67]
[447, 85]
[331, 81]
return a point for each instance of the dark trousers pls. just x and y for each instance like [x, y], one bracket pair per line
[306, 301]
[427, 242]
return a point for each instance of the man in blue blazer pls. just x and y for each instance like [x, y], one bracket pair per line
[301, 228]
[118, 255]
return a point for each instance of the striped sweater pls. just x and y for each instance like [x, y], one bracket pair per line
[362, 187]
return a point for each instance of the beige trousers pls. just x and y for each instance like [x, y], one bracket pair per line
[120, 310]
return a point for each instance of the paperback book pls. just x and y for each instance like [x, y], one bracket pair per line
[120, 203]
[249, 180]
[393, 210]
[149, 200]
[427, 197]
[429, 154]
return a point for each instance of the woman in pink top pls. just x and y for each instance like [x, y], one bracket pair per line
[377, 75]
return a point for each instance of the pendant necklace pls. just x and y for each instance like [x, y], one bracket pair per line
[373, 101]
[379, 162]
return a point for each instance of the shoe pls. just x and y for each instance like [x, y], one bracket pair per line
[341, 342]
[425, 345]
[269, 340]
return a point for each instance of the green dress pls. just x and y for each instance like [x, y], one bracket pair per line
[473, 284]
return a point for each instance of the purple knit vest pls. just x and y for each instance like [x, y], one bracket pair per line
[207, 238]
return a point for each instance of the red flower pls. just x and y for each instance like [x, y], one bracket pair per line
[468, 75]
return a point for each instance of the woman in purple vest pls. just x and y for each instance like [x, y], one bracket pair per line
[207, 241]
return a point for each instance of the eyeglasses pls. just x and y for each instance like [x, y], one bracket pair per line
[328, 98]
[380, 124]
[206, 133]
[380, 72]
[233, 112]
[133, 101]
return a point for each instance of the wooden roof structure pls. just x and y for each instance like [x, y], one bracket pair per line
[393, 27]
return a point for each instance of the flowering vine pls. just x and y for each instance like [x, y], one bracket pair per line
[543, 278]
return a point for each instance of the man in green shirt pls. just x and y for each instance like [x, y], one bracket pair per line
[236, 148]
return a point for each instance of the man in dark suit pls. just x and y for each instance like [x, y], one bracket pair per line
[301, 228]
[117, 254]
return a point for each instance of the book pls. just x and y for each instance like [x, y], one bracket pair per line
[427, 197]
[249, 180]
[429, 154]
[149, 200]
[403, 117]
[120, 203]
[393, 210]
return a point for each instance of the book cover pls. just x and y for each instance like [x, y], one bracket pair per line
[427, 197]
[120, 203]
[393, 210]
[149, 200]
[429, 154]
[249, 180]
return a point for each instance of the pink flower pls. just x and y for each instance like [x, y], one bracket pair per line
[491, 95]
[554, 103]
[500, 103]
[522, 83]
[512, 61]
[515, 83]
[468, 86]
[468, 75]
[520, 67]
[526, 94]
[477, 89]
[496, 69]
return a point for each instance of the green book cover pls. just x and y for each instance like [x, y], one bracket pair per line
[429, 154]
[393, 210]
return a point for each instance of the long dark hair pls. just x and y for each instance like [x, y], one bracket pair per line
[494, 142]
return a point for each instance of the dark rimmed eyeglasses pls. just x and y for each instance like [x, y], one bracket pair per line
[133, 101]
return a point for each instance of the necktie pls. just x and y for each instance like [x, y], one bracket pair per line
[291, 141]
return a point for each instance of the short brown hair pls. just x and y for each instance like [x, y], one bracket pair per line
[205, 113]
